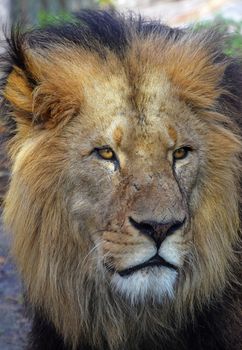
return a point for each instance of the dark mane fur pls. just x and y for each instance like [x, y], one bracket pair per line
[211, 330]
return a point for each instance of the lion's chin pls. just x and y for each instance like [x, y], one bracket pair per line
[150, 283]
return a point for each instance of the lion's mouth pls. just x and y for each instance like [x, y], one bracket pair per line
[154, 261]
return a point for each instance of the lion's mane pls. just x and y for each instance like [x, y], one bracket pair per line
[43, 95]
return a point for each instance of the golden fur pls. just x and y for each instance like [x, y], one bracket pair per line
[163, 94]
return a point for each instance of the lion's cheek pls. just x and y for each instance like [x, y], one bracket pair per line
[187, 175]
[121, 250]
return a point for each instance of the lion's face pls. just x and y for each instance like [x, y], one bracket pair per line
[134, 179]
[124, 182]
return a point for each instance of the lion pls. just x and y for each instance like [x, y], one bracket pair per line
[124, 195]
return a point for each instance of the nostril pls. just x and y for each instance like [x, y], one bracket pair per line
[175, 226]
[143, 227]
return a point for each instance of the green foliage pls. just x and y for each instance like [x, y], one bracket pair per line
[233, 31]
[104, 3]
[47, 18]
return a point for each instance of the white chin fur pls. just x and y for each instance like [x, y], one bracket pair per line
[147, 284]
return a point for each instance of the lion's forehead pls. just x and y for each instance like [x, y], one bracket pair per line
[141, 87]
[115, 93]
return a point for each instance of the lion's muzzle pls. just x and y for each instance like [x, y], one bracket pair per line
[158, 231]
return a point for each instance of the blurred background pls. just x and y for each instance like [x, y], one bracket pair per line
[14, 324]
[171, 11]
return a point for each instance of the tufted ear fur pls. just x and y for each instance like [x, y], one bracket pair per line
[35, 88]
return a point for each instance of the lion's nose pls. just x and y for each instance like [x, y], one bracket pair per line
[158, 231]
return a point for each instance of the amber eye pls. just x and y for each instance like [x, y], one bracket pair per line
[106, 153]
[181, 153]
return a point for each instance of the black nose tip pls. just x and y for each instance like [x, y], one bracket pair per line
[158, 231]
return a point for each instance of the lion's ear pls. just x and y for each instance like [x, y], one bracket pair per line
[36, 90]
[20, 80]
[18, 91]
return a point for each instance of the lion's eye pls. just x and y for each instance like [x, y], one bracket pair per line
[181, 153]
[106, 153]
